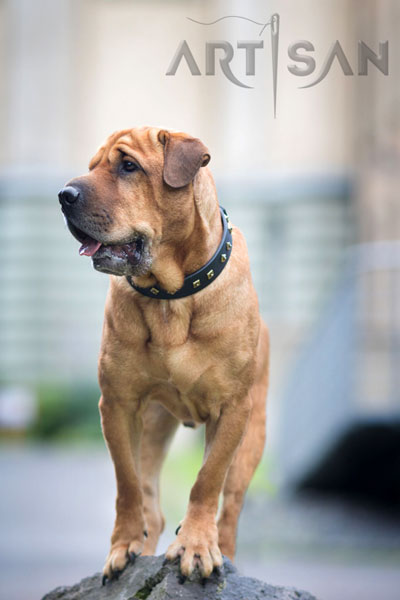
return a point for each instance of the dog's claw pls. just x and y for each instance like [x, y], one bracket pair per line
[116, 574]
[145, 533]
[104, 580]
[181, 579]
[204, 581]
[217, 571]
[132, 557]
[177, 529]
[165, 562]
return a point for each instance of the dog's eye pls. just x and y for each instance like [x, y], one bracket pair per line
[128, 166]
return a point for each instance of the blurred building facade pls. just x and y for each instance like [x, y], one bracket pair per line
[305, 186]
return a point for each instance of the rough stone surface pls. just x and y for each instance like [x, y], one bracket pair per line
[150, 579]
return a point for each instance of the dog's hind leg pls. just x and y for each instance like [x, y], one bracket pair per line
[245, 460]
[159, 427]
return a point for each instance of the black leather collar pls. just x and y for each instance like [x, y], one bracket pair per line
[197, 281]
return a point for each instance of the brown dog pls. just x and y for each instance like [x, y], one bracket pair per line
[147, 213]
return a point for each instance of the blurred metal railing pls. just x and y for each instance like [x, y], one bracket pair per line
[51, 300]
[346, 375]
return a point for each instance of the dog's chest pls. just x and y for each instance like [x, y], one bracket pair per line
[169, 325]
[179, 356]
[174, 355]
[169, 348]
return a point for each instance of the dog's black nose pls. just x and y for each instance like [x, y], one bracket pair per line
[68, 195]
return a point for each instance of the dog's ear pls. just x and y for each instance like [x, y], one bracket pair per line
[183, 157]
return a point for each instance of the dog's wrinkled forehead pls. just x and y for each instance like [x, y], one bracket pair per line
[176, 155]
[141, 142]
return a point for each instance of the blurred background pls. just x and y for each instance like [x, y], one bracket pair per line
[316, 192]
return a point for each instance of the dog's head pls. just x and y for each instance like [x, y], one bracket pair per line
[134, 198]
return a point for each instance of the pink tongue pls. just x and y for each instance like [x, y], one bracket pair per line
[89, 247]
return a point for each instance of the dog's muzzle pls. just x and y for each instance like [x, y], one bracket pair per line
[115, 258]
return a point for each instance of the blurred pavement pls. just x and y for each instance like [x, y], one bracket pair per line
[56, 511]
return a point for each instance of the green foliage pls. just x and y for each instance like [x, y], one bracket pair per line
[178, 475]
[67, 411]
[180, 471]
[261, 481]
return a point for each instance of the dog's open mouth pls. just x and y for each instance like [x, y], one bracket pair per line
[129, 252]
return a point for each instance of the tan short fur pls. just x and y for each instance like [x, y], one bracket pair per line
[202, 359]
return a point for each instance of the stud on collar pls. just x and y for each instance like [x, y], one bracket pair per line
[197, 281]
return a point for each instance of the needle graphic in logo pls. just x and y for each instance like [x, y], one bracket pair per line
[274, 23]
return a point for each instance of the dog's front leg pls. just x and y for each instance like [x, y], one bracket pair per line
[122, 426]
[197, 539]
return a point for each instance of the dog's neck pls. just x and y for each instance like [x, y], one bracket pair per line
[201, 237]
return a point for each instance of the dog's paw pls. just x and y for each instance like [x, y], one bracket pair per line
[197, 546]
[118, 558]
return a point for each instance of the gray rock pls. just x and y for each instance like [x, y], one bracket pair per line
[150, 579]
